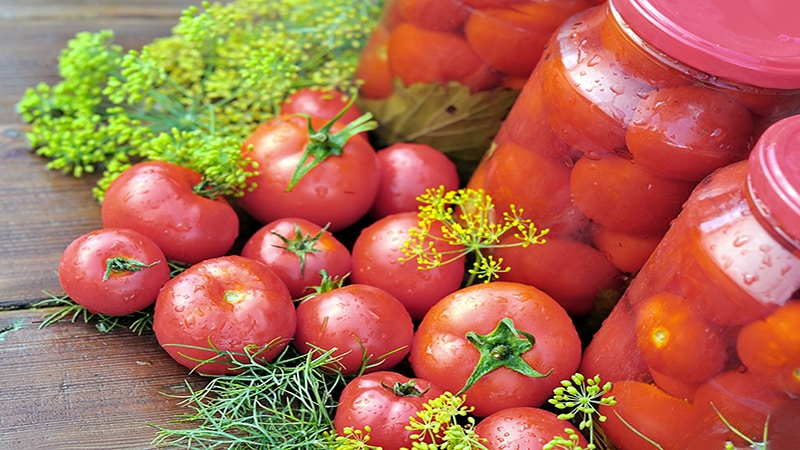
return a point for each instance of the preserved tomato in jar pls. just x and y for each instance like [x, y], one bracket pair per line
[445, 72]
[632, 103]
[711, 321]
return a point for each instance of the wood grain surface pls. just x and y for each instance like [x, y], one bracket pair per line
[66, 386]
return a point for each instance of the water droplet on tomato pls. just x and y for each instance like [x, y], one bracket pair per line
[741, 241]
[749, 278]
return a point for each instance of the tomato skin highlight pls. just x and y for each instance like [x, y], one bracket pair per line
[326, 253]
[339, 191]
[523, 427]
[229, 302]
[442, 354]
[369, 400]
[361, 321]
[156, 199]
[83, 267]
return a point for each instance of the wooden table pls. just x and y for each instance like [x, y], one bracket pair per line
[66, 386]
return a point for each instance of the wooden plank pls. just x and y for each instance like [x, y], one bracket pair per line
[69, 386]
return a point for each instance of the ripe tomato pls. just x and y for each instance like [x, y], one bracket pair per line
[676, 341]
[338, 181]
[383, 401]
[166, 202]
[616, 192]
[230, 303]
[628, 252]
[377, 262]
[297, 250]
[433, 14]
[114, 271]
[373, 66]
[571, 272]
[444, 350]
[544, 195]
[325, 104]
[523, 427]
[686, 132]
[651, 412]
[526, 26]
[417, 55]
[770, 347]
[744, 399]
[366, 325]
[406, 171]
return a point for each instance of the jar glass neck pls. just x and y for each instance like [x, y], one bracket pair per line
[767, 220]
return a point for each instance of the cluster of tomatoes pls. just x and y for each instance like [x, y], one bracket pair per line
[294, 282]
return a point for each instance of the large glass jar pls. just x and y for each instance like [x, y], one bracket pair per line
[446, 72]
[708, 333]
[632, 103]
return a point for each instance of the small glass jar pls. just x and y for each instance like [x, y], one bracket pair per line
[632, 104]
[446, 72]
[711, 324]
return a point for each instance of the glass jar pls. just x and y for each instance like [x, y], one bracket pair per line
[711, 323]
[632, 104]
[446, 72]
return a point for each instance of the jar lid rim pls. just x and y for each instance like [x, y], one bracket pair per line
[756, 42]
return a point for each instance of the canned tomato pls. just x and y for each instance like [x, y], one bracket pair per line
[446, 72]
[710, 324]
[632, 104]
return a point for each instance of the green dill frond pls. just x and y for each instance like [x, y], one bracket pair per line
[225, 69]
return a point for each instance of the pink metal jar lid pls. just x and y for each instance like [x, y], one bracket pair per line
[774, 174]
[756, 42]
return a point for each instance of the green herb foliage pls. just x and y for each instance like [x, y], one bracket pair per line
[192, 97]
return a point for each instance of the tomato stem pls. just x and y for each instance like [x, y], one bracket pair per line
[119, 264]
[407, 389]
[503, 347]
[301, 244]
[323, 143]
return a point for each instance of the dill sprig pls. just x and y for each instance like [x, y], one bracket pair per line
[287, 403]
[466, 220]
[192, 97]
[137, 322]
[444, 423]
[580, 396]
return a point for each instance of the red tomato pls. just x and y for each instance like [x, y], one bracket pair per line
[542, 191]
[297, 250]
[526, 26]
[571, 272]
[113, 271]
[628, 252]
[157, 199]
[230, 303]
[443, 353]
[325, 104]
[406, 171]
[650, 412]
[417, 55]
[364, 323]
[523, 427]
[339, 189]
[376, 262]
[676, 341]
[383, 401]
[686, 132]
[744, 400]
[373, 66]
[770, 347]
[616, 192]
[617, 336]
[433, 14]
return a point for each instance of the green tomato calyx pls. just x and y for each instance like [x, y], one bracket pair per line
[407, 389]
[323, 143]
[121, 264]
[503, 347]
